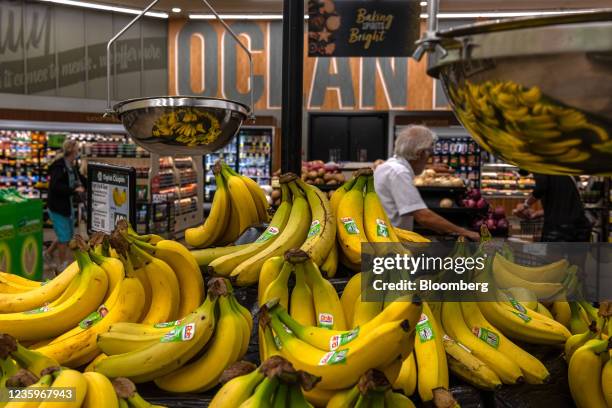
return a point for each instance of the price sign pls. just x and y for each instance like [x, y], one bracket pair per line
[111, 196]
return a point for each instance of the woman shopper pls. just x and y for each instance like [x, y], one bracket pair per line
[64, 184]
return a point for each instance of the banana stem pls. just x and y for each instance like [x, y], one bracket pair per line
[295, 190]
[143, 245]
[136, 401]
[140, 254]
[370, 185]
[360, 183]
[285, 193]
[83, 259]
[349, 184]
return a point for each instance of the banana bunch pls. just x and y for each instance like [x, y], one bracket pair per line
[361, 218]
[374, 390]
[340, 357]
[276, 383]
[28, 369]
[188, 355]
[191, 127]
[238, 203]
[304, 220]
[590, 374]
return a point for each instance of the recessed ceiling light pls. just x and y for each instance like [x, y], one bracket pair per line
[97, 6]
[423, 3]
[176, 9]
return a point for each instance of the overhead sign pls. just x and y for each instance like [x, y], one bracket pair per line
[357, 28]
[111, 196]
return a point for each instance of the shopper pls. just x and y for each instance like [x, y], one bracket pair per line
[564, 216]
[394, 183]
[65, 183]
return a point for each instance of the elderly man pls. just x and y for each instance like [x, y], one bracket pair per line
[394, 183]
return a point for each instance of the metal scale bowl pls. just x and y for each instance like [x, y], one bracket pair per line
[536, 92]
[180, 125]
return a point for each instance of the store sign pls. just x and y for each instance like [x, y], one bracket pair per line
[204, 61]
[347, 28]
[111, 195]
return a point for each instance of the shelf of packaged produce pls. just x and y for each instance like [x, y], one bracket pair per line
[449, 190]
[498, 165]
[457, 210]
[511, 195]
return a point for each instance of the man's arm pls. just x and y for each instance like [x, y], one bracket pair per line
[441, 225]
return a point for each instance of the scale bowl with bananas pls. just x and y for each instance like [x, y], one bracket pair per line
[535, 91]
[179, 125]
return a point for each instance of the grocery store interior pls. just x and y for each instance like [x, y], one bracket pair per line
[300, 103]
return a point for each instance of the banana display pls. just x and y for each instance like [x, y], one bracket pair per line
[192, 127]
[30, 371]
[276, 383]
[304, 220]
[238, 203]
[361, 218]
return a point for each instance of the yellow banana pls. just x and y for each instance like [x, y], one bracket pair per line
[378, 228]
[409, 236]
[339, 193]
[292, 236]
[100, 392]
[244, 326]
[212, 231]
[259, 198]
[278, 288]
[237, 390]
[269, 272]
[506, 279]
[113, 343]
[329, 312]
[365, 311]
[578, 340]
[406, 381]
[44, 382]
[302, 307]
[53, 321]
[25, 282]
[555, 272]
[204, 257]
[585, 373]
[114, 269]
[430, 356]
[243, 206]
[68, 379]
[203, 373]
[351, 292]
[224, 265]
[397, 400]
[141, 275]
[330, 265]
[349, 220]
[606, 382]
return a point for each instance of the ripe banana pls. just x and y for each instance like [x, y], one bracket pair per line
[44, 382]
[378, 228]
[68, 379]
[180, 260]
[397, 400]
[224, 265]
[328, 308]
[585, 373]
[204, 257]
[244, 325]
[336, 197]
[259, 198]
[577, 323]
[292, 236]
[330, 265]
[351, 292]
[114, 270]
[578, 340]
[302, 307]
[430, 356]
[278, 288]
[165, 293]
[365, 311]
[269, 272]
[454, 324]
[406, 380]
[100, 392]
[344, 398]
[113, 343]
[349, 220]
[37, 297]
[553, 273]
[322, 232]
[9, 277]
[80, 348]
[562, 313]
[176, 348]
[243, 206]
[409, 236]
[237, 390]
[48, 322]
[606, 382]
[224, 349]
[216, 224]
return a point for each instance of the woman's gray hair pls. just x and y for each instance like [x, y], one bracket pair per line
[412, 141]
[70, 146]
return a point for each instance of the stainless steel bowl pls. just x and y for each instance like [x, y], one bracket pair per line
[536, 92]
[180, 125]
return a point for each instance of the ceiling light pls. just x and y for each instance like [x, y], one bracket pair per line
[97, 6]
[505, 14]
[237, 16]
[176, 9]
[423, 3]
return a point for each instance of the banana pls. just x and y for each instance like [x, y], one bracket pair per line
[245, 326]
[29, 359]
[262, 397]
[177, 347]
[267, 343]
[114, 270]
[578, 340]
[119, 343]
[318, 396]
[577, 323]
[543, 310]
[80, 348]
[606, 382]
[330, 266]
[344, 398]
[406, 380]
[44, 382]
[553, 273]
[543, 290]
[25, 282]
[330, 340]
[165, 293]
[259, 198]
[327, 305]
[452, 320]
[296, 397]
[158, 329]
[100, 392]
[281, 398]
[533, 370]
[292, 236]
[68, 379]
[237, 390]
[278, 288]
[243, 206]
[37, 297]
[90, 367]
[336, 197]
[187, 271]
[302, 307]
[585, 373]
[430, 356]
[341, 369]
[397, 400]
[561, 312]
[349, 220]
[409, 236]
[528, 326]
[269, 272]
[350, 293]
[141, 275]
[204, 257]
[224, 265]
[8, 367]
[378, 228]
[321, 235]
[224, 349]
[49, 322]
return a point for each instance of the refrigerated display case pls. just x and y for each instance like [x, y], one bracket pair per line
[249, 153]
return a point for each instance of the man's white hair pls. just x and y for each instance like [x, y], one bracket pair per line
[412, 141]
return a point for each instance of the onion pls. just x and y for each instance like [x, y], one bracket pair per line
[499, 213]
[491, 225]
[446, 203]
[474, 194]
[481, 203]
[469, 203]
[477, 224]
[502, 224]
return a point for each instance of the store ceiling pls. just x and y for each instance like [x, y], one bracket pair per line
[275, 6]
